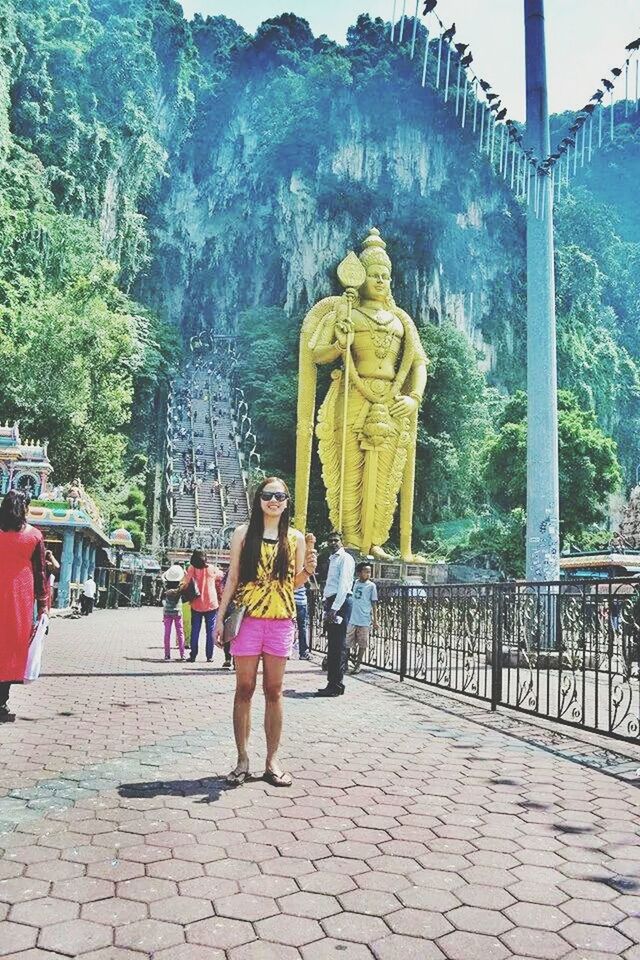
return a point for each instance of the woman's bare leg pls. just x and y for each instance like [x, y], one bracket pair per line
[246, 673]
[273, 678]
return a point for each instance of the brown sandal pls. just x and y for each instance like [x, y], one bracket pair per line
[277, 779]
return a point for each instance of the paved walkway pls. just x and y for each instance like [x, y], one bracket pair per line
[418, 827]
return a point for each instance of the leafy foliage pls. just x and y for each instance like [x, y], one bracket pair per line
[589, 470]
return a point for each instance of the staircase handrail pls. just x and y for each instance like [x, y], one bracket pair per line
[215, 452]
[193, 458]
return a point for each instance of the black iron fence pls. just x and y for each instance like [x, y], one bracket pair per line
[567, 651]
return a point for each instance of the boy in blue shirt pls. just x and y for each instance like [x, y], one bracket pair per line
[363, 614]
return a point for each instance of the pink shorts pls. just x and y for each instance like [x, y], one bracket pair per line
[257, 636]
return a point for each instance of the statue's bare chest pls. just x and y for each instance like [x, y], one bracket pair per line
[377, 332]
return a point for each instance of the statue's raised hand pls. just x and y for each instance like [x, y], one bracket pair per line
[343, 330]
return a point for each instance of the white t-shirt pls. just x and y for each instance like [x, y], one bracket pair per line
[89, 588]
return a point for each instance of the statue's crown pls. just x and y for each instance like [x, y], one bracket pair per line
[374, 249]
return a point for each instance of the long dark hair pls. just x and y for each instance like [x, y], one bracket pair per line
[198, 559]
[250, 555]
[13, 511]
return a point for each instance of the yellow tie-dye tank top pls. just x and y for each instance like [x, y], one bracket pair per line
[266, 598]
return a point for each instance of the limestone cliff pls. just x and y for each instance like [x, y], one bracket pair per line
[246, 219]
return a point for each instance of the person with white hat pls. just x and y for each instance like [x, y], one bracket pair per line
[172, 609]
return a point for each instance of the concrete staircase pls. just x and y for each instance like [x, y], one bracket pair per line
[219, 503]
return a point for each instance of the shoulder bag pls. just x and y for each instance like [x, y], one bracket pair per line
[233, 622]
[191, 591]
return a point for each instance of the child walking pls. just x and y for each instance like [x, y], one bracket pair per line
[363, 614]
[172, 609]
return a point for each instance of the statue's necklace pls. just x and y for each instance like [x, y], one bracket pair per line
[381, 317]
[381, 338]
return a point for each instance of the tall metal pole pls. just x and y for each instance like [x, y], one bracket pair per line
[542, 433]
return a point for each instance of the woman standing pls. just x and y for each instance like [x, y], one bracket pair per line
[205, 605]
[268, 561]
[23, 582]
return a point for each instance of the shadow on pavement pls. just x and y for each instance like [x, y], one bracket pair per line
[209, 789]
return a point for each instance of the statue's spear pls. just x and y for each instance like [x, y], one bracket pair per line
[351, 274]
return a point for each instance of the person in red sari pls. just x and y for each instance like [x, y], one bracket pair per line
[23, 583]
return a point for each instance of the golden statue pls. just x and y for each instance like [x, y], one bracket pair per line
[367, 424]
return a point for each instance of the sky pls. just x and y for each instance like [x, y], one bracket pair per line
[585, 38]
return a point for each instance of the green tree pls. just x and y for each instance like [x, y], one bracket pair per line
[589, 469]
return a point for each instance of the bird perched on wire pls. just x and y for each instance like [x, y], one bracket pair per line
[495, 106]
[461, 47]
[598, 95]
[588, 108]
[449, 34]
[606, 83]
[485, 85]
[429, 6]
[467, 60]
[502, 114]
[616, 71]
[491, 96]
[634, 45]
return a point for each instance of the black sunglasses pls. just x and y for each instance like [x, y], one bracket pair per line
[266, 495]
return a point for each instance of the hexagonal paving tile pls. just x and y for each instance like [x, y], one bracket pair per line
[461, 945]
[146, 889]
[74, 937]
[42, 912]
[587, 936]
[479, 920]
[373, 903]
[231, 869]
[261, 950]
[355, 927]
[198, 852]
[220, 932]
[181, 909]
[246, 906]
[328, 883]
[419, 923]
[315, 906]
[292, 931]
[422, 898]
[588, 911]
[274, 886]
[148, 936]
[114, 911]
[537, 943]
[538, 916]
[83, 889]
[52, 870]
[189, 951]
[116, 870]
[398, 947]
[21, 889]
[17, 937]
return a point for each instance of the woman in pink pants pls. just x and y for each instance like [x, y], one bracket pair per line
[268, 561]
[172, 610]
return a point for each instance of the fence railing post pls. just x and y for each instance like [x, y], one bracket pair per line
[312, 616]
[496, 648]
[404, 631]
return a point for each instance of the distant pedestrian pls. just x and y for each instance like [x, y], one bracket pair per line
[302, 618]
[88, 596]
[205, 605]
[363, 614]
[23, 583]
[172, 609]
[337, 606]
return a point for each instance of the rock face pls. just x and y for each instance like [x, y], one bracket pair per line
[233, 227]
